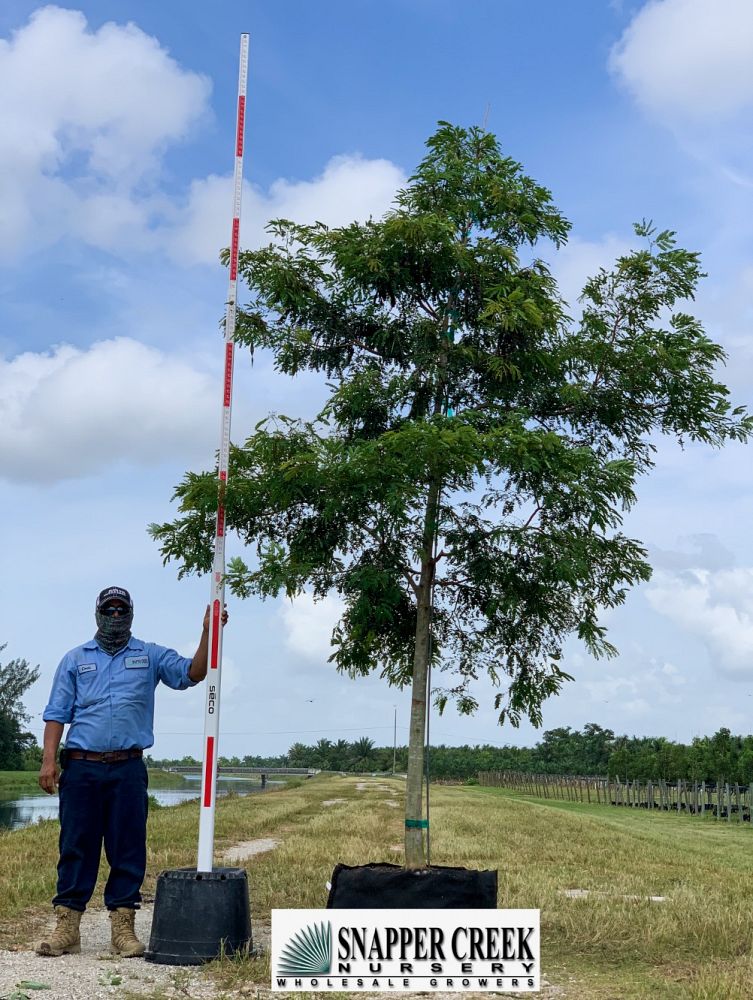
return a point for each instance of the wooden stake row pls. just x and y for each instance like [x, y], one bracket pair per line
[720, 799]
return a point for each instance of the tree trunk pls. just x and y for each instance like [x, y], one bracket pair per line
[415, 843]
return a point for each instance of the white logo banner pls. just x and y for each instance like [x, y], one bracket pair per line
[405, 951]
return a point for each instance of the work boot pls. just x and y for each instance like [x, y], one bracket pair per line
[66, 938]
[124, 940]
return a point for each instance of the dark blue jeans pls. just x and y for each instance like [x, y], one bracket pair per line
[102, 803]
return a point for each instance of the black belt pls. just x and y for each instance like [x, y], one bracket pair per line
[103, 756]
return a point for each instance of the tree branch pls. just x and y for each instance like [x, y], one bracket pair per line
[427, 308]
[600, 370]
[537, 511]
[452, 581]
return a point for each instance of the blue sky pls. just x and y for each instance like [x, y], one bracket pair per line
[116, 136]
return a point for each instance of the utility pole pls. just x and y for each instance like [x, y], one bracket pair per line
[394, 742]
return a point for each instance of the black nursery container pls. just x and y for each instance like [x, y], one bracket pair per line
[199, 915]
[385, 886]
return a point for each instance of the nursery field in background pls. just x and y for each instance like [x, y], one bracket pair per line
[632, 904]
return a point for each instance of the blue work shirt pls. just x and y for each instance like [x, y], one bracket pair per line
[109, 700]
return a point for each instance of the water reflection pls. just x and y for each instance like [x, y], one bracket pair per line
[27, 809]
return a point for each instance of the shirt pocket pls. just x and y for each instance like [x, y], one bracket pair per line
[136, 678]
[88, 686]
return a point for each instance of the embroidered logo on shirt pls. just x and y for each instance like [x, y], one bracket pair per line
[136, 662]
[84, 668]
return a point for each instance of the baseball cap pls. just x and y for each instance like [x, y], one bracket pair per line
[114, 594]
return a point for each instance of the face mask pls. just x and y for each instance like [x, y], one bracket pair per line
[113, 633]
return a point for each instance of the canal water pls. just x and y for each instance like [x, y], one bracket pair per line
[27, 809]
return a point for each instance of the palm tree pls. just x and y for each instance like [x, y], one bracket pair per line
[339, 755]
[363, 754]
[299, 755]
[323, 754]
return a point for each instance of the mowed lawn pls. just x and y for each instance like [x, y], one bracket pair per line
[613, 942]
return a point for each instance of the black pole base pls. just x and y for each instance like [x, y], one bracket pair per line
[385, 886]
[199, 916]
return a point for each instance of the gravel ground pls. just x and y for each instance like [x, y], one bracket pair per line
[95, 973]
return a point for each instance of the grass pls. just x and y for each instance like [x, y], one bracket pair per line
[18, 783]
[695, 945]
[165, 779]
[14, 783]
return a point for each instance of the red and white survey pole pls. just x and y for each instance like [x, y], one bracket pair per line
[214, 672]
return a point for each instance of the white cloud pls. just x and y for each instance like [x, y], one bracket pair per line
[688, 60]
[70, 412]
[308, 624]
[714, 606]
[648, 683]
[84, 121]
[725, 303]
[349, 188]
[702, 550]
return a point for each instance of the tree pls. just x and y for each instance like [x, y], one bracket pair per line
[340, 755]
[721, 754]
[299, 756]
[596, 745]
[16, 677]
[556, 751]
[363, 753]
[464, 485]
[321, 756]
[745, 761]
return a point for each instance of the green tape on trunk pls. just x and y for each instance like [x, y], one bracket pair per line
[416, 824]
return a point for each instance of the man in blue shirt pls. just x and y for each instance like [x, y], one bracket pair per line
[104, 691]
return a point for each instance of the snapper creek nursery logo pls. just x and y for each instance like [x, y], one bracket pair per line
[405, 950]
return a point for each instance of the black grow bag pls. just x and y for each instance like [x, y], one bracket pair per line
[386, 887]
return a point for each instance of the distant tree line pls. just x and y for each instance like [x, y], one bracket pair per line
[360, 755]
[561, 751]
[592, 750]
[707, 758]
